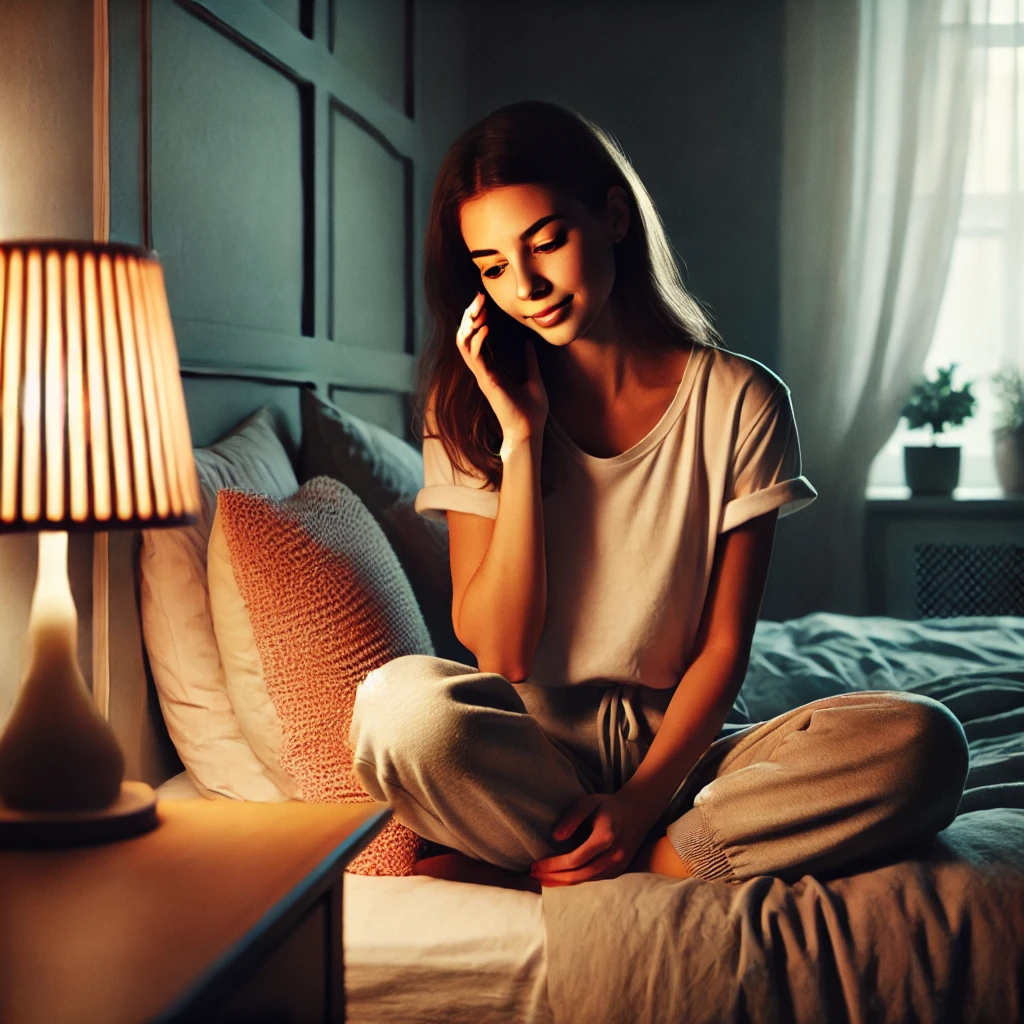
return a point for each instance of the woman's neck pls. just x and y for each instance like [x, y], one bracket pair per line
[588, 373]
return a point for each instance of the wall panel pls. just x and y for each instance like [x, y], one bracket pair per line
[296, 13]
[372, 38]
[387, 410]
[227, 179]
[280, 185]
[371, 196]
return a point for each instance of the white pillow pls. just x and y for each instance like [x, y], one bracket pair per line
[178, 628]
[242, 666]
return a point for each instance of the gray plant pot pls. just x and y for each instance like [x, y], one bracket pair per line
[931, 469]
[1008, 448]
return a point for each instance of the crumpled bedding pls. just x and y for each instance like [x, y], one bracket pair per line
[936, 935]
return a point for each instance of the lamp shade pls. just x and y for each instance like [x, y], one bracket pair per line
[93, 429]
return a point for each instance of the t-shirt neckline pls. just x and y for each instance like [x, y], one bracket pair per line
[655, 435]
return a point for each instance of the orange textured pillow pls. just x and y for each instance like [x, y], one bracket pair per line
[327, 603]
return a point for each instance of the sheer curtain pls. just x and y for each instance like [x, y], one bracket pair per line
[875, 138]
[981, 321]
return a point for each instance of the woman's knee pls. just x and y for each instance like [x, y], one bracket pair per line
[933, 754]
[415, 711]
[393, 701]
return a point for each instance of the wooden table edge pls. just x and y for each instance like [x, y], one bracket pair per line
[224, 973]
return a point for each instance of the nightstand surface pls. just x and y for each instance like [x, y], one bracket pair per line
[126, 931]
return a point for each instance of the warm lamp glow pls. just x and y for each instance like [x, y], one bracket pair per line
[93, 436]
[58, 752]
[93, 428]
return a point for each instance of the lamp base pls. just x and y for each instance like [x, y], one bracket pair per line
[131, 814]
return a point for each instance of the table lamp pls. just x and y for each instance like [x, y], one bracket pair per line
[93, 436]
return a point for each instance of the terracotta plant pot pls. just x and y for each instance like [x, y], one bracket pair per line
[1008, 448]
[931, 469]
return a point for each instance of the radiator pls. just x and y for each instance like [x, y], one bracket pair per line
[968, 579]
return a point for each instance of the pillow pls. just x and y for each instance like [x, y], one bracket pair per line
[178, 628]
[308, 598]
[385, 473]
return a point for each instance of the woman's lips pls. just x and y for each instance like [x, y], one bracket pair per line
[551, 317]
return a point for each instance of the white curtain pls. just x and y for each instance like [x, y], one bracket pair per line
[981, 323]
[875, 137]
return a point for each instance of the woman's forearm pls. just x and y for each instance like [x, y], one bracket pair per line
[693, 718]
[502, 611]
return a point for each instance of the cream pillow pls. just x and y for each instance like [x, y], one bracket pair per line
[308, 598]
[178, 628]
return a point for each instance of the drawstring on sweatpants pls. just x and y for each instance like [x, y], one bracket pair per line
[618, 736]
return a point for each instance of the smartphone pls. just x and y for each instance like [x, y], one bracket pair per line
[505, 345]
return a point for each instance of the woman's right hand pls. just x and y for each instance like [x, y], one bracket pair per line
[521, 409]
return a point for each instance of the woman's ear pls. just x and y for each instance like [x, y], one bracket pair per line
[618, 210]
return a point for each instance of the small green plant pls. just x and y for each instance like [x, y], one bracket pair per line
[1009, 391]
[934, 403]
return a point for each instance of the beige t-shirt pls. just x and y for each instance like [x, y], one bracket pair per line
[630, 540]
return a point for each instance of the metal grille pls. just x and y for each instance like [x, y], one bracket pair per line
[960, 579]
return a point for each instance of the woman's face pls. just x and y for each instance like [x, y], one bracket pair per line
[536, 249]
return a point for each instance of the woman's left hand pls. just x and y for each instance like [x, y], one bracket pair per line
[616, 834]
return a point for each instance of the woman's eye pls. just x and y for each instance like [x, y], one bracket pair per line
[553, 244]
[557, 242]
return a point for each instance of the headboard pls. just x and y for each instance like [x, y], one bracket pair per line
[267, 151]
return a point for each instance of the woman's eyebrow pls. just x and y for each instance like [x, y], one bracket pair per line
[531, 230]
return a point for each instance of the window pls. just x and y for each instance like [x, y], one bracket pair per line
[981, 318]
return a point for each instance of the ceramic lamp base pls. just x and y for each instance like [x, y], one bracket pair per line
[131, 814]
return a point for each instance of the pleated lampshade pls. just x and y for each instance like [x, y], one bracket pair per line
[93, 429]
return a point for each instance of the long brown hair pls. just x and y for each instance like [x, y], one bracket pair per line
[535, 143]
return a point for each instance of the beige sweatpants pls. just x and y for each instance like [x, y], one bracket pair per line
[476, 763]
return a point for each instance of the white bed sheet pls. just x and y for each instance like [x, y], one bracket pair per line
[426, 951]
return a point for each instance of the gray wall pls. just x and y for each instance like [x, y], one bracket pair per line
[45, 192]
[692, 89]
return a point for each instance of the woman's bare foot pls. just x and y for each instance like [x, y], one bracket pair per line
[660, 857]
[457, 867]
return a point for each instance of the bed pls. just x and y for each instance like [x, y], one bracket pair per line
[937, 934]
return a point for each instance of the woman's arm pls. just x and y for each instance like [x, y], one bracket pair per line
[709, 686]
[499, 574]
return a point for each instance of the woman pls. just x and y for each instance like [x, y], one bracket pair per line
[611, 503]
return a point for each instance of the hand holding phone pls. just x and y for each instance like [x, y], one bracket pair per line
[521, 408]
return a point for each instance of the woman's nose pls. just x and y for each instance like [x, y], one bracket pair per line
[531, 286]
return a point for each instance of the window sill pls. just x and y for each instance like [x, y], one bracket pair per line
[964, 500]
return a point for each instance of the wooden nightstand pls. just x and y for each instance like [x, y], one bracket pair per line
[227, 911]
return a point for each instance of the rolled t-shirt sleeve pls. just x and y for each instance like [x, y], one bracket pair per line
[766, 466]
[446, 489]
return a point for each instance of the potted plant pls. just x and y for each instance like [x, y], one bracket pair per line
[934, 403]
[1008, 436]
